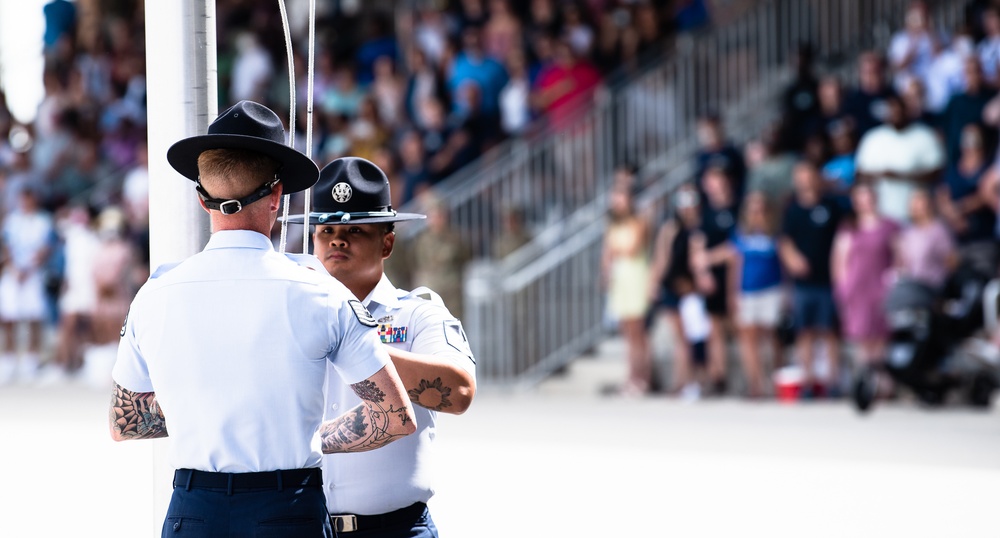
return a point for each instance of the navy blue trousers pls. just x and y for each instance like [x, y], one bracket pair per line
[266, 513]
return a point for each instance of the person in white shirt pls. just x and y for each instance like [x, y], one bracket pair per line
[899, 156]
[384, 493]
[228, 350]
[28, 237]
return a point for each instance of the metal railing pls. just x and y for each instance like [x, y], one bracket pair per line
[529, 314]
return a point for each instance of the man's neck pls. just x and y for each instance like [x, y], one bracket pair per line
[361, 290]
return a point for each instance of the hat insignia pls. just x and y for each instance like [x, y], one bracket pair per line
[341, 192]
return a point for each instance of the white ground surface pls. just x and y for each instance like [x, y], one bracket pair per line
[563, 461]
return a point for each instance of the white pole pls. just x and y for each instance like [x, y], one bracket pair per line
[182, 97]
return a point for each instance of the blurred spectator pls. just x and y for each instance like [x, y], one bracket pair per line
[830, 107]
[513, 234]
[366, 132]
[345, 96]
[962, 206]
[925, 249]
[988, 49]
[387, 90]
[423, 82]
[809, 225]
[624, 276]
[690, 15]
[713, 279]
[253, 69]
[865, 103]
[515, 109]
[473, 65]
[379, 43]
[946, 73]
[800, 100]
[716, 150]
[576, 31]
[757, 289]
[115, 277]
[566, 84]
[60, 26]
[135, 189]
[862, 259]
[914, 102]
[672, 277]
[899, 157]
[28, 239]
[116, 281]
[966, 107]
[78, 296]
[839, 171]
[472, 13]
[431, 33]
[502, 35]
[770, 175]
[911, 49]
[386, 160]
[18, 176]
[81, 174]
[439, 257]
[415, 176]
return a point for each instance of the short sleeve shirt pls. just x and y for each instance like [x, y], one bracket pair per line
[812, 230]
[399, 474]
[235, 343]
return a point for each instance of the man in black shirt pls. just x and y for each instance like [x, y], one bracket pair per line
[807, 232]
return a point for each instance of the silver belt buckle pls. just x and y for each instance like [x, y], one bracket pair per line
[344, 522]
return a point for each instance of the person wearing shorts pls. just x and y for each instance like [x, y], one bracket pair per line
[757, 268]
[808, 229]
[27, 238]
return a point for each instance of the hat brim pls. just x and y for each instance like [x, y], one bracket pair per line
[297, 171]
[314, 219]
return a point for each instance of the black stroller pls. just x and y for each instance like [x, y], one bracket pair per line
[932, 343]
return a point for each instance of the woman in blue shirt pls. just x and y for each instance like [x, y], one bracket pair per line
[756, 282]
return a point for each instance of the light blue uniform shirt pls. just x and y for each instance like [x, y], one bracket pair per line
[400, 473]
[235, 341]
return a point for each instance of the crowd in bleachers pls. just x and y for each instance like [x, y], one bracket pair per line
[421, 91]
[787, 245]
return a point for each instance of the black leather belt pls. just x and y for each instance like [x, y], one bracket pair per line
[352, 522]
[236, 482]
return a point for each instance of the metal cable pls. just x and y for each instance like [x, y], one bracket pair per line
[286, 199]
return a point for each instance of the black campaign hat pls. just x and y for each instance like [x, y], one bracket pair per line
[250, 126]
[352, 190]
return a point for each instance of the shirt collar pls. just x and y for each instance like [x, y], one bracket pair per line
[239, 239]
[384, 294]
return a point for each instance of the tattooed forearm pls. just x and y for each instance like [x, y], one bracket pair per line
[431, 394]
[136, 415]
[366, 427]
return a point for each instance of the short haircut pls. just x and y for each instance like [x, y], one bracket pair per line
[226, 173]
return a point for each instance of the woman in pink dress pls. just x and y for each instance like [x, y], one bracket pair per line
[863, 256]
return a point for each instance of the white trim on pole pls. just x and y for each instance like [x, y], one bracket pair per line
[182, 99]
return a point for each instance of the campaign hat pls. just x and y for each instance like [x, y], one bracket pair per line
[248, 126]
[352, 190]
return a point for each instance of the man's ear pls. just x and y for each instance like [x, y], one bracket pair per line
[203, 206]
[388, 241]
[275, 198]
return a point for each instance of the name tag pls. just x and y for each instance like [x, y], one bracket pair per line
[391, 335]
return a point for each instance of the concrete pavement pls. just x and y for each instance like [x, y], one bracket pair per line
[562, 460]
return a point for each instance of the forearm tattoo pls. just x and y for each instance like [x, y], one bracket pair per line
[136, 415]
[364, 428]
[432, 395]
